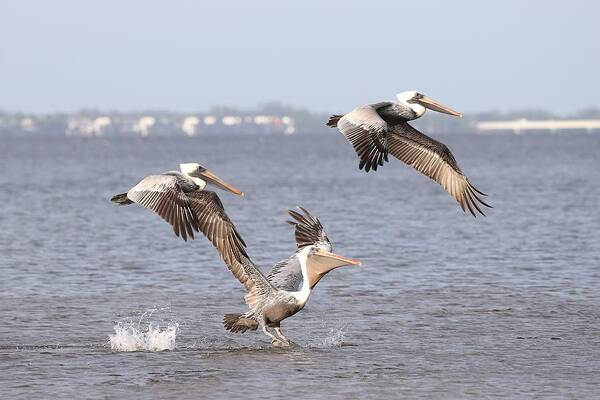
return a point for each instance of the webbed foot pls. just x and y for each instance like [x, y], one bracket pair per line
[281, 336]
[279, 343]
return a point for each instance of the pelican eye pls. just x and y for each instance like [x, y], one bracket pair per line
[416, 97]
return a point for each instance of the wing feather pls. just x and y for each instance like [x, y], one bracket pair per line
[287, 274]
[434, 159]
[307, 229]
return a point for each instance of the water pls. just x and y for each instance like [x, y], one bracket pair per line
[143, 334]
[445, 305]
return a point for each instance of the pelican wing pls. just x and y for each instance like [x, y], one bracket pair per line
[307, 229]
[367, 133]
[287, 274]
[218, 228]
[434, 159]
[165, 195]
[216, 225]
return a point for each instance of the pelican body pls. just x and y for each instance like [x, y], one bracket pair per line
[375, 130]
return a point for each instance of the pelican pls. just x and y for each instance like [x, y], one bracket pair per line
[175, 196]
[289, 283]
[375, 130]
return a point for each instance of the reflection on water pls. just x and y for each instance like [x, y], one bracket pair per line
[445, 305]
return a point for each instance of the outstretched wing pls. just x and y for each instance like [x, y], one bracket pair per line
[308, 229]
[216, 225]
[434, 159]
[165, 195]
[218, 228]
[367, 133]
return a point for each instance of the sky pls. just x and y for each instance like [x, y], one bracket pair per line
[327, 56]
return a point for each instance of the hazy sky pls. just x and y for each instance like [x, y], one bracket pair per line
[65, 55]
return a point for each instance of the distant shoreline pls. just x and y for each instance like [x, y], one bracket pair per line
[273, 119]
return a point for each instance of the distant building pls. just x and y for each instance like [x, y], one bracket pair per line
[263, 119]
[190, 125]
[209, 120]
[230, 120]
[551, 125]
[289, 126]
[82, 126]
[143, 125]
[27, 124]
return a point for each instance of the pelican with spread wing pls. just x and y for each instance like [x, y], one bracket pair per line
[379, 129]
[177, 197]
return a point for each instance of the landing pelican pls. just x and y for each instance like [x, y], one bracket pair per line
[175, 196]
[378, 129]
[288, 285]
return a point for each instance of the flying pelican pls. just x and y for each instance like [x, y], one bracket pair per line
[175, 195]
[288, 285]
[378, 129]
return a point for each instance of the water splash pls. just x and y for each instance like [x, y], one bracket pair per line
[335, 338]
[143, 336]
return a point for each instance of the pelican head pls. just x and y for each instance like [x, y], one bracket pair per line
[419, 103]
[203, 177]
[320, 260]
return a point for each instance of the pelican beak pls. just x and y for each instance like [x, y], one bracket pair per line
[428, 102]
[323, 261]
[214, 180]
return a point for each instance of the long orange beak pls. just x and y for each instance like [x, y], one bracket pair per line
[213, 179]
[322, 261]
[428, 102]
[337, 260]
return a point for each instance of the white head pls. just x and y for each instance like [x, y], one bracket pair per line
[419, 103]
[404, 98]
[202, 176]
[188, 168]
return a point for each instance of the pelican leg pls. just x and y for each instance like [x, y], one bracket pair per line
[269, 334]
[281, 336]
